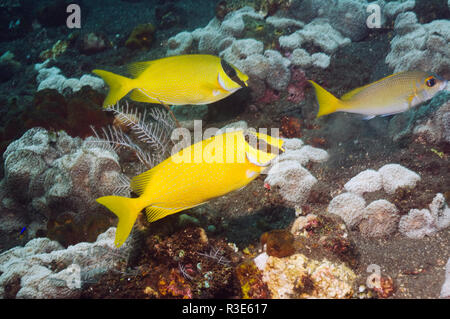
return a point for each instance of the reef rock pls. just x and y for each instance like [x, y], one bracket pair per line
[380, 219]
[350, 207]
[297, 276]
[58, 178]
[420, 46]
[44, 269]
[395, 176]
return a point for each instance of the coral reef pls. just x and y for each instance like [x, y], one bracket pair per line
[44, 269]
[420, 46]
[56, 177]
[297, 276]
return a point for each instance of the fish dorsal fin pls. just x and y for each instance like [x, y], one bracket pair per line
[137, 68]
[347, 96]
[140, 182]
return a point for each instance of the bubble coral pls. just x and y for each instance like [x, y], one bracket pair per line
[141, 37]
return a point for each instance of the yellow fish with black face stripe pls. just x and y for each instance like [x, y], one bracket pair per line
[193, 176]
[390, 95]
[176, 80]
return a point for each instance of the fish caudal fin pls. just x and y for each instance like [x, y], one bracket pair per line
[119, 86]
[127, 209]
[328, 103]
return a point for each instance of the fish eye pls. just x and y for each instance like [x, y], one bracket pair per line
[430, 81]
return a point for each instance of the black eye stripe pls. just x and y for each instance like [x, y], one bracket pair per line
[231, 72]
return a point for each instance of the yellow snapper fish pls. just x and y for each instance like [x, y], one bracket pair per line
[393, 94]
[176, 80]
[193, 176]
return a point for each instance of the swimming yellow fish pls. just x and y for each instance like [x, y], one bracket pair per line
[176, 80]
[390, 95]
[196, 174]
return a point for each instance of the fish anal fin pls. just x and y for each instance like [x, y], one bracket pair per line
[139, 95]
[154, 213]
[137, 68]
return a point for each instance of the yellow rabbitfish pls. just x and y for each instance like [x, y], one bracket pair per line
[196, 174]
[390, 95]
[176, 80]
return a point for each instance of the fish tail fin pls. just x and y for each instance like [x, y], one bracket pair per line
[328, 103]
[119, 86]
[127, 209]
